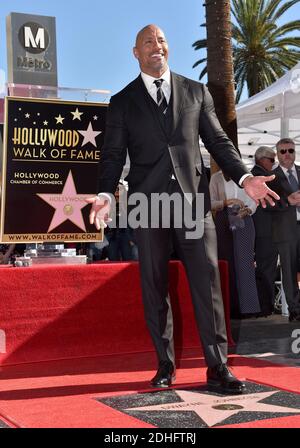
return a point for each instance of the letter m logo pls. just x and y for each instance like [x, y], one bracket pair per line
[36, 41]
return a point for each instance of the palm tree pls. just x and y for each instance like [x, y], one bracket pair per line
[220, 67]
[262, 49]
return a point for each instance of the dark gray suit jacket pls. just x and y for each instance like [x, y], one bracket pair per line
[284, 218]
[133, 126]
[262, 217]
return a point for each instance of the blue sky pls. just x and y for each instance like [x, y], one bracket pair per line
[95, 37]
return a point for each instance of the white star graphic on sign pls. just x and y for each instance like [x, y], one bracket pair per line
[27, 115]
[59, 119]
[45, 123]
[212, 409]
[89, 135]
[77, 114]
[95, 117]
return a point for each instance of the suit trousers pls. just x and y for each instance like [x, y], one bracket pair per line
[266, 256]
[288, 252]
[199, 257]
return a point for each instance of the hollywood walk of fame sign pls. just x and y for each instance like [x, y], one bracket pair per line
[198, 408]
[50, 166]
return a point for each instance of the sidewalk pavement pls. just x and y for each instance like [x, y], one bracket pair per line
[271, 338]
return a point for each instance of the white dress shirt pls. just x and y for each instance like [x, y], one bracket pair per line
[294, 172]
[151, 87]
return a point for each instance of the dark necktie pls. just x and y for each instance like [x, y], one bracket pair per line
[161, 99]
[293, 183]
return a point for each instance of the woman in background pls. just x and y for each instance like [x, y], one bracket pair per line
[233, 208]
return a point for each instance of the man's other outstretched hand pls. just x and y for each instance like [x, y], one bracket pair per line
[256, 188]
[99, 214]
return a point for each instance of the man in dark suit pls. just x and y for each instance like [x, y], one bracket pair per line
[286, 222]
[158, 118]
[266, 253]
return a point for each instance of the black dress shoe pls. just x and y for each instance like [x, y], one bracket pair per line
[164, 375]
[294, 316]
[220, 379]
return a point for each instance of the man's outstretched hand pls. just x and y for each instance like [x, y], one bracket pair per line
[99, 214]
[256, 188]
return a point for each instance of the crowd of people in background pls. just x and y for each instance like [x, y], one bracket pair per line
[282, 226]
[261, 244]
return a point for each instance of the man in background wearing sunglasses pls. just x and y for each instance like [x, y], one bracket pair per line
[286, 222]
[266, 253]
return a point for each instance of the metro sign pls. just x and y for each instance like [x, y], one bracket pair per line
[34, 37]
[31, 48]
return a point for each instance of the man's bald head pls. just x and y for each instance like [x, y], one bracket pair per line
[151, 50]
[141, 32]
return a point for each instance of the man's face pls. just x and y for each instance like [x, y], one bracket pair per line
[151, 50]
[267, 162]
[286, 154]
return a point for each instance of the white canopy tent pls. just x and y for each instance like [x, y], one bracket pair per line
[270, 115]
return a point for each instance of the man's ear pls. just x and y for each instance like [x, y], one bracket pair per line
[135, 52]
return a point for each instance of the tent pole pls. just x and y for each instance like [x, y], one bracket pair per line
[284, 122]
[284, 128]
